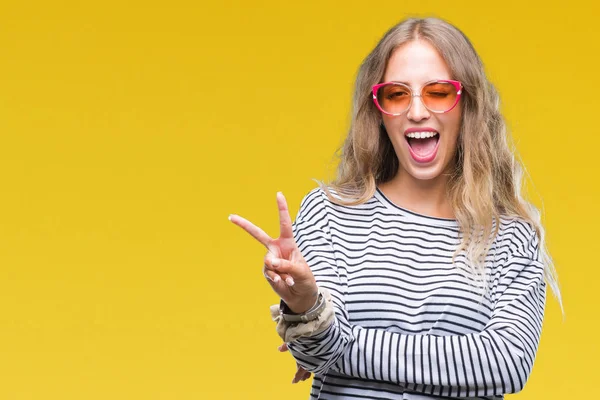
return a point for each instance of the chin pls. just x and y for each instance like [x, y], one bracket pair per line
[424, 175]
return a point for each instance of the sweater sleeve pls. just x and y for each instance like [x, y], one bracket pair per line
[495, 361]
[320, 352]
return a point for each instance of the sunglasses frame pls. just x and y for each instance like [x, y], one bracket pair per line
[457, 85]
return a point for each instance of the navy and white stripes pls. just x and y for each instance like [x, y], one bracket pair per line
[409, 324]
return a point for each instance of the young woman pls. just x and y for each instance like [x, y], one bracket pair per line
[420, 272]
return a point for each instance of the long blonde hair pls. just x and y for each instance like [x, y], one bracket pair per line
[486, 178]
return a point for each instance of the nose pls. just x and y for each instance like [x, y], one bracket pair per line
[417, 110]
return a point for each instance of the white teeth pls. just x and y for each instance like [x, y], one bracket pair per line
[421, 135]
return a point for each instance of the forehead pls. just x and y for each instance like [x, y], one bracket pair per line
[415, 63]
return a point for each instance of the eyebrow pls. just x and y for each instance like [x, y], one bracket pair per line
[404, 83]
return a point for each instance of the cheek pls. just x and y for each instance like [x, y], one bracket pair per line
[392, 125]
[453, 124]
[388, 122]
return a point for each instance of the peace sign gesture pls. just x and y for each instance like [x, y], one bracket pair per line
[284, 267]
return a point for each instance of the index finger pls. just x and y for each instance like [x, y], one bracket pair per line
[252, 229]
[285, 222]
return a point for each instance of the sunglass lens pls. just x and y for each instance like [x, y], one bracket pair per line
[394, 98]
[439, 96]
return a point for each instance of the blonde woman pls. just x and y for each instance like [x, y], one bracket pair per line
[420, 272]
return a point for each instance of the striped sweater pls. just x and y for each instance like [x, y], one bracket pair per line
[409, 324]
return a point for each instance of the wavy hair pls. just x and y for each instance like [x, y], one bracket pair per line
[486, 177]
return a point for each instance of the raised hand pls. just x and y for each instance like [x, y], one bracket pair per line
[284, 267]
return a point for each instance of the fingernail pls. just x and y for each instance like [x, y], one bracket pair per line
[229, 218]
[290, 281]
[275, 262]
[276, 279]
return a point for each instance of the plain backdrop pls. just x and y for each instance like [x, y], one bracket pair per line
[129, 131]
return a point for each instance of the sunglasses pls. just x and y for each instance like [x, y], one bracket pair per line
[439, 96]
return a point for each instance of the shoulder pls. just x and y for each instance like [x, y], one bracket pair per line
[319, 192]
[315, 204]
[520, 235]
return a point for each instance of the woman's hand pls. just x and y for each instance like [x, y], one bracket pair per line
[284, 267]
[301, 373]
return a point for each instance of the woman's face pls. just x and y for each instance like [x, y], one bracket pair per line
[414, 64]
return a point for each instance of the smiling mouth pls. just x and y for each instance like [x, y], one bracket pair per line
[422, 143]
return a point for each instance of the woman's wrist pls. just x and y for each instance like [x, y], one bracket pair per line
[304, 304]
[318, 318]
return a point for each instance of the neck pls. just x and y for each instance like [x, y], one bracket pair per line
[427, 197]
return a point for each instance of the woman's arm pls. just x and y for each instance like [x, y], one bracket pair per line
[495, 361]
[319, 352]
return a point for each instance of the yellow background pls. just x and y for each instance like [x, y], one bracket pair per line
[130, 130]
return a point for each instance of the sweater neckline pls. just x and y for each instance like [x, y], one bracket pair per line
[412, 215]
